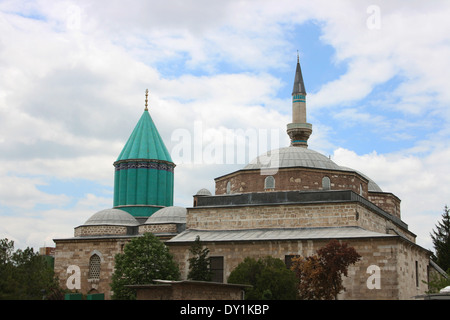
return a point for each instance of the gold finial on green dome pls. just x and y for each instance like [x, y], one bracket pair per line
[146, 99]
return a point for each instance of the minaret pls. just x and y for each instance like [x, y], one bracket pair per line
[143, 179]
[299, 130]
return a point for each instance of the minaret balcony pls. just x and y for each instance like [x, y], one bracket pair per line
[299, 126]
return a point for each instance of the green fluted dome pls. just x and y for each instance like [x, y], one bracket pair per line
[145, 142]
[143, 178]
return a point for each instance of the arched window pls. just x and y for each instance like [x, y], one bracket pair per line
[228, 187]
[326, 184]
[269, 182]
[94, 267]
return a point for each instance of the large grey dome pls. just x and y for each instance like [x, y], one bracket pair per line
[113, 217]
[301, 157]
[292, 157]
[172, 214]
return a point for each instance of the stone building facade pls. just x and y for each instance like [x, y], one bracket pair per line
[100, 238]
[396, 259]
[288, 202]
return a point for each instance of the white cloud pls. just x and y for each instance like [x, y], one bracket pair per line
[43, 226]
[421, 182]
[23, 193]
[411, 43]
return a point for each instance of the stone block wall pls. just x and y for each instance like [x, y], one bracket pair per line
[158, 228]
[271, 216]
[412, 270]
[83, 231]
[77, 252]
[290, 216]
[386, 201]
[384, 253]
[189, 290]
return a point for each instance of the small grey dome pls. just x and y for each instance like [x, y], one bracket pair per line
[172, 214]
[113, 217]
[292, 157]
[203, 192]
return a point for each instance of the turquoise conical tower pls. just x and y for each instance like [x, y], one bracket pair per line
[144, 171]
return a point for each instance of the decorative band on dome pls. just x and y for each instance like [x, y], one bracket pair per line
[139, 164]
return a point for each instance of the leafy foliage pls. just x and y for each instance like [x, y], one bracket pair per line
[320, 275]
[144, 259]
[199, 264]
[25, 275]
[441, 241]
[310, 274]
[269, 277]
[438, 282]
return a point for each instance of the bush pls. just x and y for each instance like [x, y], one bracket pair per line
[269, 277]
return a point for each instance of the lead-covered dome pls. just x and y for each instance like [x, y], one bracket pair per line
[112, 217]
[292, 157]
[203, 192]
[173, 214]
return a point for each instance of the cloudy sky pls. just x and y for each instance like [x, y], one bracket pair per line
[73, 77]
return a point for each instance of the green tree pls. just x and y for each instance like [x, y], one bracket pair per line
[320, 276]
[199, 264]
[441, 241]
[25, 275]
[8, 283]
[143, 260]
[269, 278]
[438, 282]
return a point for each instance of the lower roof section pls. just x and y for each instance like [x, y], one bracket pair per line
[277, 234]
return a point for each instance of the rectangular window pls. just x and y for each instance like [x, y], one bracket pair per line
[216, 269]
[417, 274]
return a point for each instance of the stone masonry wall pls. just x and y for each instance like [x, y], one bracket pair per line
[99, 230]
[270, 216]
[386, 201]
[290, 216]
[190, 291]
[412, 269]
[158, 228]
[384, 253]
[78, 253]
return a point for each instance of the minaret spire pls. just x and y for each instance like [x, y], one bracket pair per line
[299, 85]
[299, 130]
